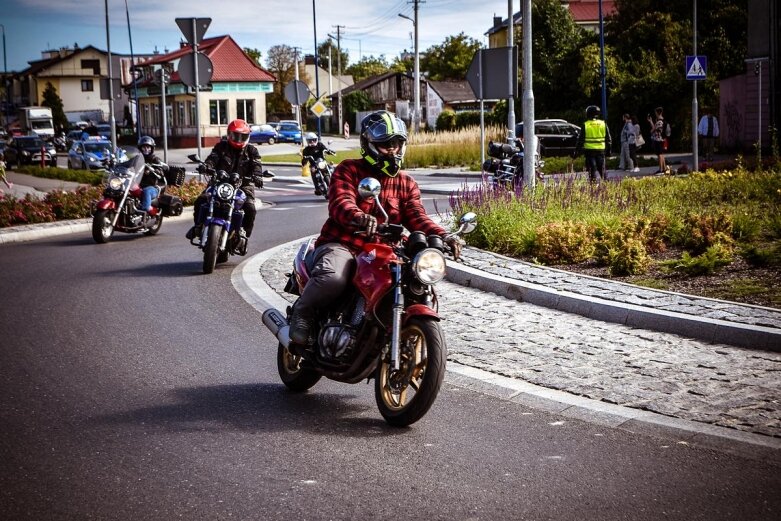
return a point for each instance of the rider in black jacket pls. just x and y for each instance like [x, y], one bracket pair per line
[315, 149]
[152, 177]
[234, 155]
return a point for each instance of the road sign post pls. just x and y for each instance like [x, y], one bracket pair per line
[193, 30]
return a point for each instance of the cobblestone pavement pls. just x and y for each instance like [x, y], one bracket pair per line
[619, 292]
[658, 372]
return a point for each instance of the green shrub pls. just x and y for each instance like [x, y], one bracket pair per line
[714, 257]
[705, 231]
[188, 192]
[87, 177]
[446, 120]
[564, 242]
[627, 256]
[763, 255]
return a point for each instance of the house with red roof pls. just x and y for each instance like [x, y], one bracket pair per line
[237, 89]
[585, 13]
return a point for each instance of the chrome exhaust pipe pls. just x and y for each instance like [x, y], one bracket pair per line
[276, 322]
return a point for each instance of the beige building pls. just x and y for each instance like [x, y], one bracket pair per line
[237, 89]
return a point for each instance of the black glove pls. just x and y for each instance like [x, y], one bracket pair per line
[257, 179]
[367, 223]
[202, 169]
[455, 246]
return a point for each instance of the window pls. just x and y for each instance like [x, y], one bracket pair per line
[191, 111]
[146, 121]
[181, 121]
[86, 86]
[218, 112]
[91, 64]
[245, 109]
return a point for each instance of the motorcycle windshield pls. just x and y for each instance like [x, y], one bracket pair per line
[134, 168]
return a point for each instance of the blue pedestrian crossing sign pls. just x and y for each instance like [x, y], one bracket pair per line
[696, 67]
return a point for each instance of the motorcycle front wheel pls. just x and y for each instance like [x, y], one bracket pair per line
[212, 245]
[404, 396]
[102, 229]
[294, 377]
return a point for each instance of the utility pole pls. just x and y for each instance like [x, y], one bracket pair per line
[416, 111]
[295, 64]
[529, 137]
[511, 99]
[317, 61]
[111, 119]
[339, 73]
[695, 106]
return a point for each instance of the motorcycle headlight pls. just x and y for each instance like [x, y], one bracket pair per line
[115, 183]
[93, 159]
[225, 191]
[321, 164]
[429, 266]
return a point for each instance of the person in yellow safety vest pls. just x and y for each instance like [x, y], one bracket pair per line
[594, 140]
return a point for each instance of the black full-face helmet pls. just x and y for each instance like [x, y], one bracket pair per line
[146, 145]
[592, 111]
[383, 141]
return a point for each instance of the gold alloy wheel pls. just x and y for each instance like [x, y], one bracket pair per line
[399, 388]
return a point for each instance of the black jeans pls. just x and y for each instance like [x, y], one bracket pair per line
[595, 164]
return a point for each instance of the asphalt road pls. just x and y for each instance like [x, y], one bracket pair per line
[132, 386]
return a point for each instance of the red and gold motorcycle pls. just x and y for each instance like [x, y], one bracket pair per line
[385, 326]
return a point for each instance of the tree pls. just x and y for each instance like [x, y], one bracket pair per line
[323, 53]
[281, 62]
[52, 100]
[368, 66]
[255, 54]
[450, 60]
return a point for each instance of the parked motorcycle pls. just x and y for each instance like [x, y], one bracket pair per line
[321, 171]
[222, 215]
[385, 326]
[59, 142]
[120, 207]
[506, 164]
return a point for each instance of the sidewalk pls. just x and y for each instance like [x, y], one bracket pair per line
[613, 374]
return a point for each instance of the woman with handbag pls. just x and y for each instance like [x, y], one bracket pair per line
[638, 142]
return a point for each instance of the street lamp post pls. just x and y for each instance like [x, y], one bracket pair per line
[5, 78]
[416, 112]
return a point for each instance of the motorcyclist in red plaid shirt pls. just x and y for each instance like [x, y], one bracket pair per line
[383, 143]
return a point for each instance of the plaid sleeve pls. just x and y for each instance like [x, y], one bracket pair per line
[343, 193]
[414, 216]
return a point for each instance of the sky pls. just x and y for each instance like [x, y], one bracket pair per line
[368, 27]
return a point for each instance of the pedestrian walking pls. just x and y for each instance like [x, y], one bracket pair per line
[708, 129]
[638, 142]
[628, 137]
[594, 140]
[658, 130]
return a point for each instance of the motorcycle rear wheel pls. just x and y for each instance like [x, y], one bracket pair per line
[295, 378]
[155, 227]
[406, 396]
[102, 229]
[212, 245]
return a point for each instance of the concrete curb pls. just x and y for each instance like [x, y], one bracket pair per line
[708, 329]
[247, 280]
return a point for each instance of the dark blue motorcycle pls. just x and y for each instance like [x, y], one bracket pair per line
[221, 217]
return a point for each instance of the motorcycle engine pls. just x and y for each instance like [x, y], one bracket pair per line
[337, 338]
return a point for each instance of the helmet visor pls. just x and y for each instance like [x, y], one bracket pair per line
[238, 137]
[396, 142]
[386, 128]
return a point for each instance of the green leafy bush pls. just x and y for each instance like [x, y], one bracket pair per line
[564, 242]
[714, 257]
[706, 230]
[627, 256]
[446, 120]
